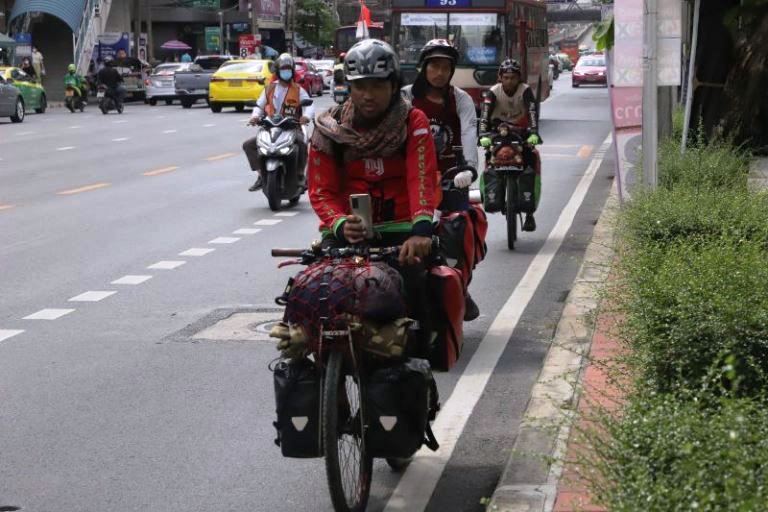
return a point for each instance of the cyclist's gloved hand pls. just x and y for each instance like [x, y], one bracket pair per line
[485, 142]
[534, 139]
[463, 179]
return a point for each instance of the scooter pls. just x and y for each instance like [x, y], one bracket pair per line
[281, 159]
[340, 93]
[73, 99]
[107, 101]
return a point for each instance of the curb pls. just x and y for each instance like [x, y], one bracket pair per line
[530, 478]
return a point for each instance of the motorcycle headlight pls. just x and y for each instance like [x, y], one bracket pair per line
[285, 150]
[263, 150]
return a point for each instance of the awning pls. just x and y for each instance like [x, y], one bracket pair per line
[69, 11]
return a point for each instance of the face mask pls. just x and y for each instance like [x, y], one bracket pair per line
[286, 74]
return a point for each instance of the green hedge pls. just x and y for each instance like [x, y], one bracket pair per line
[669, 453]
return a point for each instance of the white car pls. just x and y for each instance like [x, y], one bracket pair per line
[161, 84]
[325, 68]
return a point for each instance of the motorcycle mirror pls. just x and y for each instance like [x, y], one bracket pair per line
[307, 102]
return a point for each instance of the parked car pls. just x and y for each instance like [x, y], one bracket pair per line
[161, 84]
[32, 92]
[308, 77]
[325, 68]
[193, 84]
[11, 101]
[590, 70]
[238, 83]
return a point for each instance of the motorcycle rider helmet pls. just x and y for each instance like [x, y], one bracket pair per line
[71, 68]
[285, 60]
[371, 58]
[438, 49]
[510, 66]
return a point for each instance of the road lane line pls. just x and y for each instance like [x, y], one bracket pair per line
[267, 222]
[82, 189]
[169, 131]
[7, 206]
[286, 214]
[220, 157]
[119, 122]
[161, 171]
[209, 125]
[24, 133]
[417, 485]
[585, 151]
[246, 231]
[49, 314]
[166, 265]
[75, 127]
[9, 333]
[66, 148]
[224, 240]
[92, 296]
[561, 145]
[132, 280]
[121, 139]
[196, 251]
[557, 155]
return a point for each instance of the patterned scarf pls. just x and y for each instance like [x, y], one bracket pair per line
[387, 138]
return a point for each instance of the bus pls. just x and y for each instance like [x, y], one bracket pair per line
[346, 36]
[485, 32]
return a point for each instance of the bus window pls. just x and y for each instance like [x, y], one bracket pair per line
[415, 30]
[479, 38]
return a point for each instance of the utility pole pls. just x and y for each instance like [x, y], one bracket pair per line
[150, 39]
[650, 94]
[255, 19]
[221, 32]
[137, 34]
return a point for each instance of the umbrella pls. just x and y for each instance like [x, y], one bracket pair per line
[175, 45]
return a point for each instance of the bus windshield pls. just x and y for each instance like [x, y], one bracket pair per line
[479, 37]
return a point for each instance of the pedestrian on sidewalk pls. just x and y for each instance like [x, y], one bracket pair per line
[38, 62]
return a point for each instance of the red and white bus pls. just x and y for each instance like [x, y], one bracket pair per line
[346, 37]
[484, 31]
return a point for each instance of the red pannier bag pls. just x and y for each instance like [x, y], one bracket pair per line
[446, 286]
[462, 239]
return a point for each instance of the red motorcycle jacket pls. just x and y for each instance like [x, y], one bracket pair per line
[403, 187]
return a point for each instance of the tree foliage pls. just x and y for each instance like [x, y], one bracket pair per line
[315, 21]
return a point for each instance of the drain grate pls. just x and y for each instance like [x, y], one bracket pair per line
[249, 326]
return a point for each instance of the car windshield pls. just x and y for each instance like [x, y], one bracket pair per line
[479, 37]
[209, 63]
[167, 69]
[244, 67]
[591, 63]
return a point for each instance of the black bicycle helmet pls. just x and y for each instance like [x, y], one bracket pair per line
[510, 66]
[371, 58]
[438, 49]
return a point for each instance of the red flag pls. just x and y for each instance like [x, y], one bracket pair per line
[363, 22]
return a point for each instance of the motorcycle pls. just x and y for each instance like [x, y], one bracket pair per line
[280, 159]
[73, 99]
[340, 93]
[107, 101]
[510, 181]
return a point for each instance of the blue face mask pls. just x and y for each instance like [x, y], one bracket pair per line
[286, 74]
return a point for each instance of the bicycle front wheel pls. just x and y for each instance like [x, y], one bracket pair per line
[347, 464]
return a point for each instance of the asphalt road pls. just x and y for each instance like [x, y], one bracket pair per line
[124, 236]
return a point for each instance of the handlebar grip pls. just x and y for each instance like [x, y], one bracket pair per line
[287, 253]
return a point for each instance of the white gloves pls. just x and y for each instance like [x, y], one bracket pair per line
[463, 179]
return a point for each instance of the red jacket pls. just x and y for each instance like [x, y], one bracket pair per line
[403, 187]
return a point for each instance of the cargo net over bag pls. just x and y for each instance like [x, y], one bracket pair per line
[365, 297]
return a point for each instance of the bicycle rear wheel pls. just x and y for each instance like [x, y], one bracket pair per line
[347, 465]
[511, 207]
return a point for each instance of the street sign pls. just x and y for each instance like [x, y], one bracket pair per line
[247, 44]
[212, 38]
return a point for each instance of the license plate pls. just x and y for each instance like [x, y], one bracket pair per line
[235, 83]
[199, 91]
[100, 94]
[340, 98]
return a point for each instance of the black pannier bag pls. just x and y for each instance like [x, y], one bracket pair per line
[297, 396]
[527, 194]
[401, 401]
[493, 190]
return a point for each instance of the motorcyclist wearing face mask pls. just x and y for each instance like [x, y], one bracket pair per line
[281, 97]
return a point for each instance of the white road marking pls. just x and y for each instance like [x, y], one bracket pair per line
[9, 333]
[119, 122]
[49, 314]
[267, 222]
[286, 214]
[166, 265]
[92, 296]
[121, 139]
[415, 488]
[65, 148]
[24, 133]
[75, 127]
[195, 251]
[224, 240]
[209, 125]
[170, 131]
[131, 279]
[246, 231]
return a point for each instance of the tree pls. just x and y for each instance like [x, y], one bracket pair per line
[316, 21]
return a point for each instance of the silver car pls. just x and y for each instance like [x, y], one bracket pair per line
[161, 84]
[11, 102]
